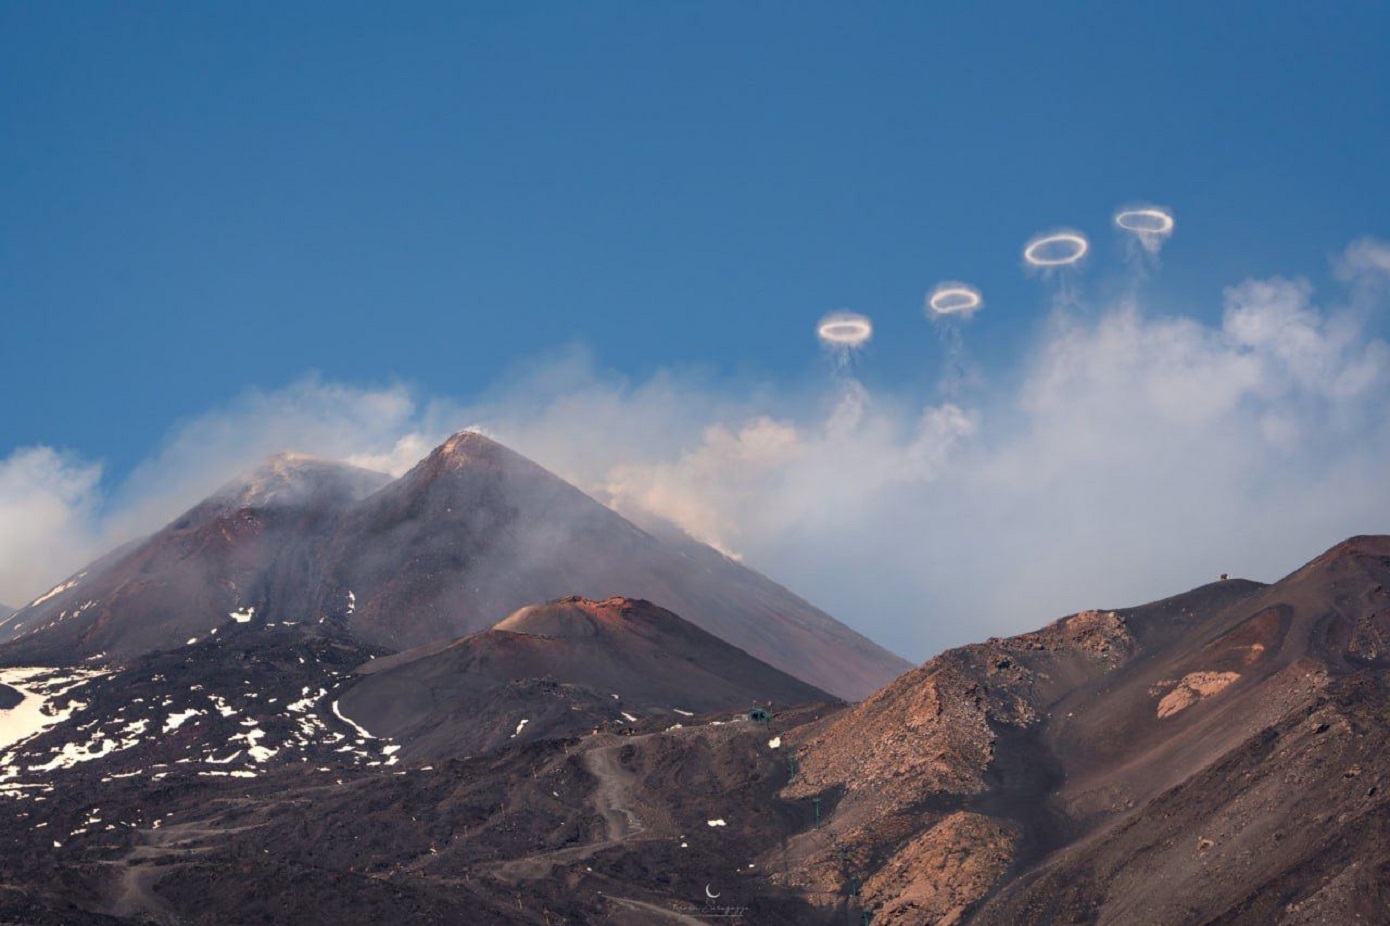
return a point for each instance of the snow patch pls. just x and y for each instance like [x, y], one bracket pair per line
[174, 721]
[351, 723]
[38, 686]
[257, 752]
[55, 591]
[223, 708]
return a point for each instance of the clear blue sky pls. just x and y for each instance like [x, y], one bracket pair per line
[195, 198]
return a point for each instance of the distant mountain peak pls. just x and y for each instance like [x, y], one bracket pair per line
[472, 455]
[468, 445]
[289, 478]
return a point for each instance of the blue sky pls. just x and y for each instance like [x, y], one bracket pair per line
[198, 199]
[195, 201]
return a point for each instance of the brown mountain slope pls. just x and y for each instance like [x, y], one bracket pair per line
[1216, 740]
[560, 668]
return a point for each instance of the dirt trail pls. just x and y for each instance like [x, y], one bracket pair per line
[613, 796]
[137, 897]
[144, 865]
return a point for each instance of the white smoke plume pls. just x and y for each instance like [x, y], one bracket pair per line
[1141, 454]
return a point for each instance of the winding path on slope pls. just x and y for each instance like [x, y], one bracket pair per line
[162, 850]
[612, 800]
[613, 796]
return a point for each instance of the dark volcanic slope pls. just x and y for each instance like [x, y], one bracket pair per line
[1216, 757]
[564, 667]
[476, 530]
[472, 532]
[248, 548]
[1219, 741]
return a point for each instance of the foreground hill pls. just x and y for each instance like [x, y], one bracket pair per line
[560, 668]
[1215, 757]
[472, 532]
[1230, 740]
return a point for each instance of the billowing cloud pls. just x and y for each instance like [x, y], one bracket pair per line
[1139, 455]
[48, 503]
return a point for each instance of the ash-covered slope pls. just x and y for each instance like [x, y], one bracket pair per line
[1216, 757]
[251, 547]
[1230, 740]
[472, 532]
[560, 668]
[476, 530]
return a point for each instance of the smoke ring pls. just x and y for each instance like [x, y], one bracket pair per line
[1074, 244]
[845, 329]
[1145, 221]
[954, 298]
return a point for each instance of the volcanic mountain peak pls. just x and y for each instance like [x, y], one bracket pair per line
[472, 449]
[469, 442]
[289, 479]
[471, 473]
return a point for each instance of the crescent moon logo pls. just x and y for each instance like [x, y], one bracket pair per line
[710, 894]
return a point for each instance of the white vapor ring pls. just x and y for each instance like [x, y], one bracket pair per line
[1145, 221]
[1076, 242]
[948, 300]
[845, 330]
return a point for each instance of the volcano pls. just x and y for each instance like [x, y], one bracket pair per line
[474, 531]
